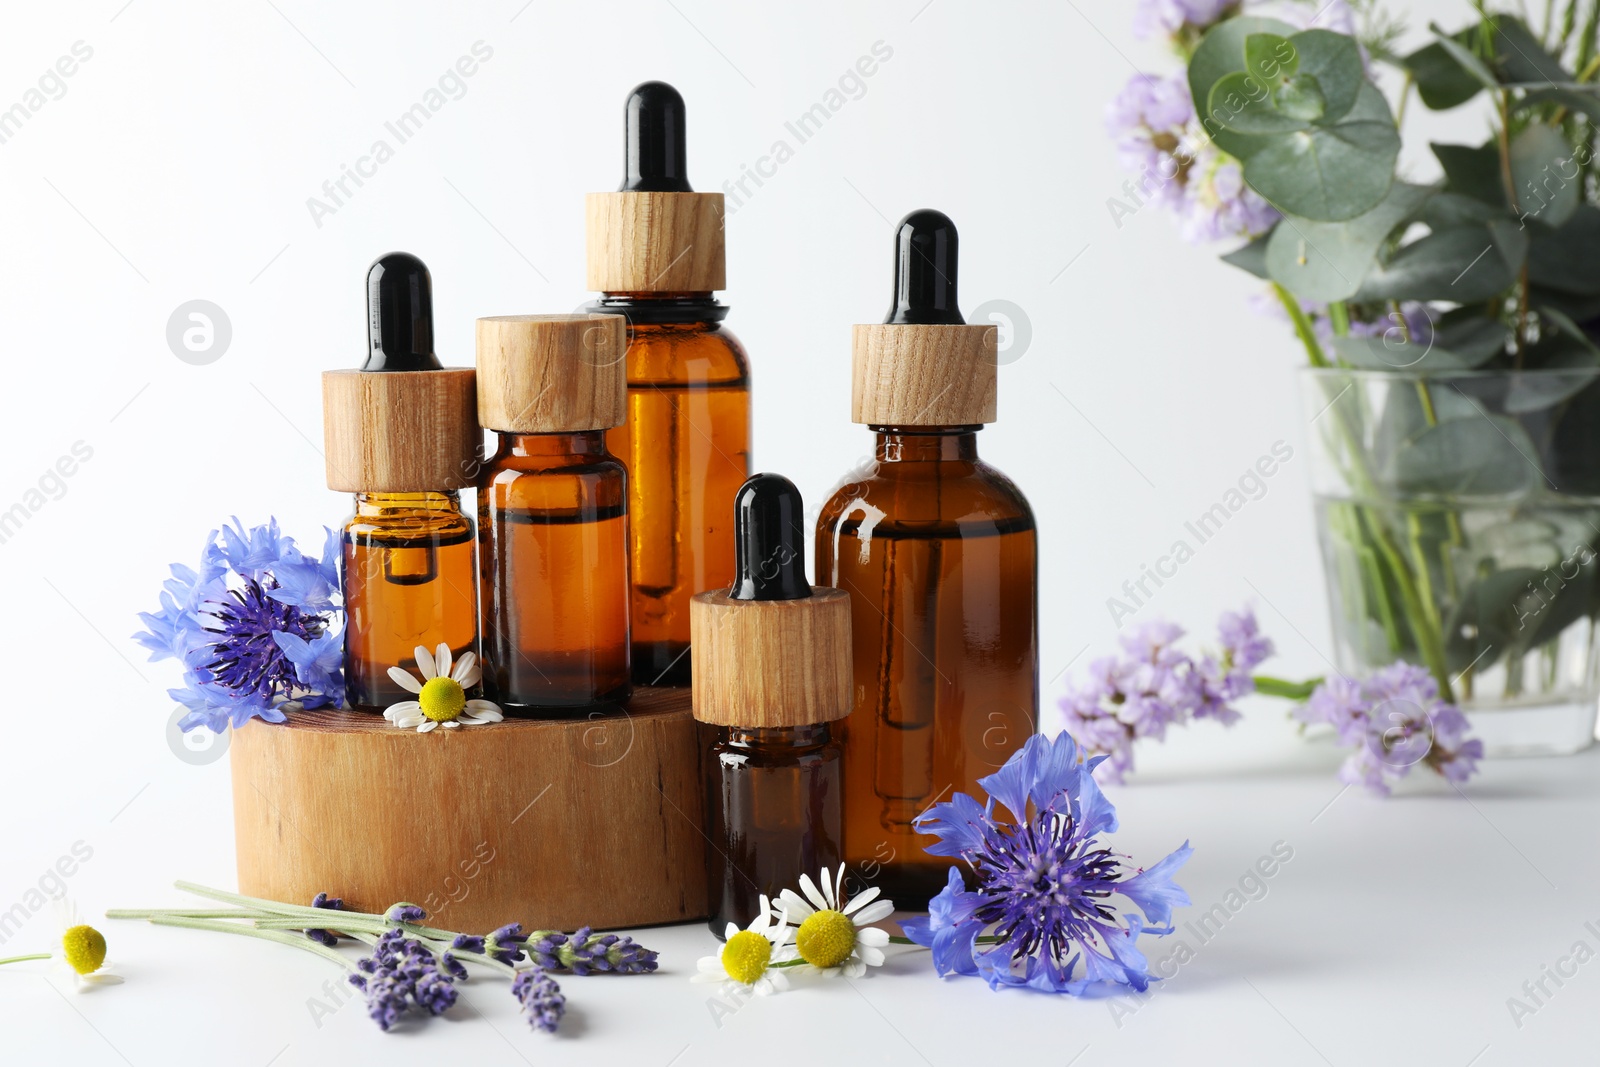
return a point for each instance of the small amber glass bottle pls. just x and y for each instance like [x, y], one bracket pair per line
[553, 514]
[938, 553]
[402, 434]
[772, 669]
[655, 252]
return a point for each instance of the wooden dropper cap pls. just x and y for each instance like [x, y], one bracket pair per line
[655, 234]
[402, 423]
[771, 650]
[923, 365]
[552, 373]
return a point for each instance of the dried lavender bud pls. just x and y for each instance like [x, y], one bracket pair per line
[540, 997]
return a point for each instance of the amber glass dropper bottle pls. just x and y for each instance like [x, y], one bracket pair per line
[402, 434]
[553, 514]
[772, 670]
[655, 252]
[938, 553]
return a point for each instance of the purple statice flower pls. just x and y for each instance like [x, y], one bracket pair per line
[1152, 685]
[584, 952]
[540, 997]
[400, 974]
[253, 627]
[1407, 335]
[1394, 720]
[325, 937]
[1044, 881]
[1152, 123]
[1173, 17]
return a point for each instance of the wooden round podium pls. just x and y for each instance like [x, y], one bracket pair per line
[553, 823]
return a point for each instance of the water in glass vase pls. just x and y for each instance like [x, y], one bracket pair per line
[1500, 598]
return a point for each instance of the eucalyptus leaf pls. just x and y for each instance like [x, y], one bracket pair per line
[1540, 158]
[1473, 172]
[1460, 265]
[1404, 416]
[1542, 389]
[1486, 621]
[1442, 82]
[1465, 59]
[1566, 259]
[1243, 103]
[1446, 210]
[1301, 98]
[1334, 60]
[1521, 58]
[1333, 172]
[1328, 260]
[1392, 350]
[1584, 101]
[1220, 53]
[1471, 336]
[1270, 57]
[1253, 256]
[1488, 455]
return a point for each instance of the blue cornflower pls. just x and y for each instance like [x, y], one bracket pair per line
[1043, 881]
[253, 626]
[540, 996]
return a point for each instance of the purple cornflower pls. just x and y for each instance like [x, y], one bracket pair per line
[252, 626]
[325, 937]
[402, 973]
[1044, 881]
[540, 996]
[1152, 685]
[1394, 720]
[584, 952]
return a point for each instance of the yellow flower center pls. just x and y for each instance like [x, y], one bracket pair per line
[442, 699]
[826, 938]
[85, 949]
[745, 956]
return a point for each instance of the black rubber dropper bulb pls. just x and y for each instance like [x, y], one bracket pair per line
[925, 249]
[400, 315]
[654, 148]
[768, 547]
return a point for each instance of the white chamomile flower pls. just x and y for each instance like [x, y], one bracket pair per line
[746, 959]
[834, 936]
[83, 949]
[442, 693]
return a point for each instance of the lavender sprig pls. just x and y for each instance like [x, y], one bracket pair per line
[540, 997]
[400, 974]
[585, 952]
[325, 937]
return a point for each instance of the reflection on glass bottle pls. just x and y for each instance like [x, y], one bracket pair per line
[656, 255]
[553, 514]
[401, 434]
[939, 555]
[772, 671]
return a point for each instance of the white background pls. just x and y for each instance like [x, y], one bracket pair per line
[178, 165]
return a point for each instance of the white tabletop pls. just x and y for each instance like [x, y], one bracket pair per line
[1396, 933]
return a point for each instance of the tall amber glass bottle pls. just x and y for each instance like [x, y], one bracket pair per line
[938, 553]
[402, 434]
[553, 514]
[655, 252]
[772, 670]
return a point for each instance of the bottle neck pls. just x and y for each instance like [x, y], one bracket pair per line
[779, 737]
[926, 444]
[584, 444]
[373, 505]
[662, 309]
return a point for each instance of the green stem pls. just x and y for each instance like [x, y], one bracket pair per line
[1267, 685]
[1302, 326]
[250, 931]
[21, 959]
[1339, 315]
